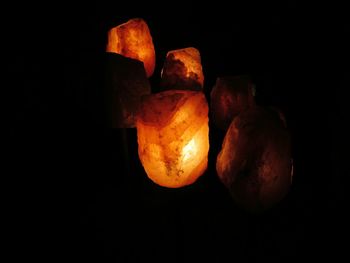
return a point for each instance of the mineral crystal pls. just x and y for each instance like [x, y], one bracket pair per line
[172, 133]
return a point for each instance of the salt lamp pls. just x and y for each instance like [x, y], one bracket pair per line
[126, 82]
[133, 39]
[255, 159]
[182, 70]
[173, 137]
[230, 96]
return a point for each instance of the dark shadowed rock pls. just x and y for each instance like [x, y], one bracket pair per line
[229, 97]
[126, 83]
[255, 160]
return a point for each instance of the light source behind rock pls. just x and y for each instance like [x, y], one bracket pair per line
[172, 133]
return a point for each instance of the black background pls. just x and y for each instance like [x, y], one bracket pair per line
[80, 190]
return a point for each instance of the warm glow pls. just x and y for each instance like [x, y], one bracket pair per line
[192, 61]
[189, 150]
[133, 39]
[183, 70]
[173, 137]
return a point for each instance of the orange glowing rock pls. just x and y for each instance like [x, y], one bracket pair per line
[255, 159]
[182, 70]
[229, 97]
[173, 137]
[133, 39]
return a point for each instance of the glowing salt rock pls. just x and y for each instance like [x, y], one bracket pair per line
[173, 137]
[133, 40]
[182, 70]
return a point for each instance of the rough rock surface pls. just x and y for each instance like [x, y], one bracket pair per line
[255, 160]
[173, 137]
[230, 96]
[126, 82]
[133, 40]
[182, 70]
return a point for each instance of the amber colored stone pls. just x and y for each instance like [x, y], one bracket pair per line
[126, 82]
[173, 137]
[133, 40]
[230, 96]
[182, 70]
[255, 159]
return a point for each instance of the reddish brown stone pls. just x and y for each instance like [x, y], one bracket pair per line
[182, 70]
[126, 83]
[255, 160]
[229, 97]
